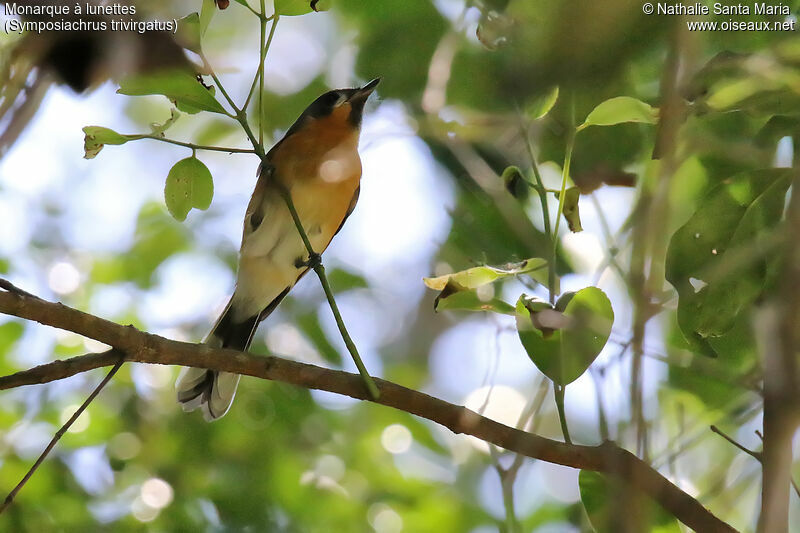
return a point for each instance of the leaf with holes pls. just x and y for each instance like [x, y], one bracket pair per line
[473, 278]
[95, 137]
[189, 184]
[563, 341]
[718, 261]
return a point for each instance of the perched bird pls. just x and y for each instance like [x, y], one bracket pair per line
[317, 162]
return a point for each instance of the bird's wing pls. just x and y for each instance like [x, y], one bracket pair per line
[350, 209]
[256, 209]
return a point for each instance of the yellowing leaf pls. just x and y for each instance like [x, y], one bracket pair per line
[96, 137]
[477, 276]
[455, 299]
[570, 212]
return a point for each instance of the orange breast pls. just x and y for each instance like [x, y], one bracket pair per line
[321, 167]
[303, 155]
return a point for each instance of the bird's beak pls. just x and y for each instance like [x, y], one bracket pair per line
[361, 95]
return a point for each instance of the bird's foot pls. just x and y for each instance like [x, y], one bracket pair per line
[314, 260]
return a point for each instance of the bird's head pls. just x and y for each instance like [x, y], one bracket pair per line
[339, 107]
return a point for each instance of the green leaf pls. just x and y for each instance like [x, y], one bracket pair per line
[96, 137]
[716, 261]
[10, 333]
[291, 8]
[515, 182]
[475, 277]
[308, 323]
[604, 500]
[618, 110]
[189, 33]
[342, 280]
[179, 86]
[542, 105]
[242, 2]
[454, 299]
[564, 345]
[206, 14]
[570, 212]
[189, 184]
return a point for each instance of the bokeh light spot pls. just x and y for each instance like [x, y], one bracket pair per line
[396, 439]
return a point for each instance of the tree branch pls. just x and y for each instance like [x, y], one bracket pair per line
[143, 347]
[779, 342]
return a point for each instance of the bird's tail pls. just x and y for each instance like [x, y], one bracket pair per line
[211, 390]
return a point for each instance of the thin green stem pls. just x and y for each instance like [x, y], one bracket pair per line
[565, 174]
[260, 69]
[260, 73]
[60, 433]
[257, 146]
[542, 193]
[239, 115]
[261, 15]
[207, 65]
[558, 391]
[194, 146]
[320, 270]
[258, 79]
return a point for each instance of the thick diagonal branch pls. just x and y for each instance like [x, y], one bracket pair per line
[143, 347]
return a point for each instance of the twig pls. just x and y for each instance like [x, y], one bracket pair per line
[60, 433]
[195, 146]
[146, 348]
[316, 261]
[754, 454]
[758, 456]
[508, 476]
[10, 287]
[778, 335]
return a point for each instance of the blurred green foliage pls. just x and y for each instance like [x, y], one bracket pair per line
[474, 78]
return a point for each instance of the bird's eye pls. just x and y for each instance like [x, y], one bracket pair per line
[337, 99]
